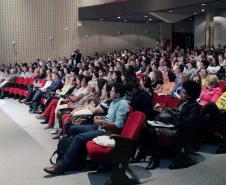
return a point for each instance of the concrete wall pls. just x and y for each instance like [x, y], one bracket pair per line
[219, 29]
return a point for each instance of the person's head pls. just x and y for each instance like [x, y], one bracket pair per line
[92, 85]
[67, 79]
[203, 73]
[49, 77]
[171, 76]
[100, 84]
[85, 81]
[212, 81]
[179, 68]
[131, 89]
[79, 79]
[117, 76]
[118, 90]
[191, 90]
[106, 90]
[183, 78]
[157, 76]
[196, 78]
[102, 72]
[55, 76]
[127, 77]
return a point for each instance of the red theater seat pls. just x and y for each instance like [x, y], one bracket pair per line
[130, 131]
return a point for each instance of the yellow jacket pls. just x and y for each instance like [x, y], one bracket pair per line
[221, 102]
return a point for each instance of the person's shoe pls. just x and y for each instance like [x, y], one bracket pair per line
[48, 127]
[153, 163]
[140, 157]
[221, 150]
[54, 170]
[28, 103]
[56, 136]
[54, 131]
[44, 122]
[40, 116]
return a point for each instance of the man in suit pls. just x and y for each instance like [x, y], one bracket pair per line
[56, 84]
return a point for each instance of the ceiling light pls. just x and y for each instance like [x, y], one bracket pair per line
[203, 4]
[170, 11]
[195, 13]
[203, 10]
[190, 19]
[101, 19]
[125, 20]
[150, 19]
[119, 17]
[146, 16]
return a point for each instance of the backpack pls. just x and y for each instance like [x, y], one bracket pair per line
[62, 147]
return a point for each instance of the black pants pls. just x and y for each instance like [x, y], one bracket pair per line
[148, 142]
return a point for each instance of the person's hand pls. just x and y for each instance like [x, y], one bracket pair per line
[98, 120]
[70, 105]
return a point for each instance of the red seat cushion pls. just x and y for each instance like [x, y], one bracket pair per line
[131, 130]
[96, 152]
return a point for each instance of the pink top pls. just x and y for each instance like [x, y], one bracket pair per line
[207, 96]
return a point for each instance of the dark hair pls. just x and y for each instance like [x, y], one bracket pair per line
[172, 76]
[118, 77]
[158, 75]
[100, 83]
[181, 67]
[197, 75]
[192, 88]
[108, 88]
[120, 88]
[86, 79]
[129, 76]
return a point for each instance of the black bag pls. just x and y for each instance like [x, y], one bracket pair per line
[62, 147]
[167, 116]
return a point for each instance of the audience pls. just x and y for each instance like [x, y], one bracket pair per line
[67, 85]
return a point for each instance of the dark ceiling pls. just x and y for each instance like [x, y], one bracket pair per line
[128, 15]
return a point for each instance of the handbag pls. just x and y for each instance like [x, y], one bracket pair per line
[167, 116]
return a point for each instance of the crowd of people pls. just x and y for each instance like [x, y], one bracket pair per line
[107, 86]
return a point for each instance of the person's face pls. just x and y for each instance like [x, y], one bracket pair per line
[202, 72]
[114, 76]
[49, 77]
[184, 95]
[113, 94]
[196, 79]
[104, 92]
[83, 84]
[54, 77]
[123, 78]
[208, 86]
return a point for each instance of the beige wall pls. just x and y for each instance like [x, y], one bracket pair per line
[108, 36]
[49, 28]
[83, 3]
[31, 24]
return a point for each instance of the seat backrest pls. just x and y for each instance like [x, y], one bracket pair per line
[172, 102]
[222, 85]
[133, 125]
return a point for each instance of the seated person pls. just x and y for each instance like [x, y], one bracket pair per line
[168, 85]
[210, 92]
[185, 119]
[114, 120]
[140, 100]
[6, 81]
[177, 91]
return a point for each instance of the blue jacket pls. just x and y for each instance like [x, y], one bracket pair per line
[54, 86]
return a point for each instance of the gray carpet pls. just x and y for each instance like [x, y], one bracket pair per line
[25, 149]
